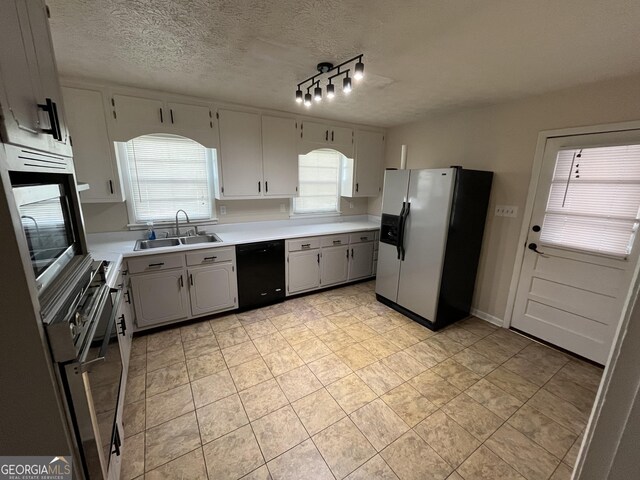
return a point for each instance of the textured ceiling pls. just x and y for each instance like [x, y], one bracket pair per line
[421, 56]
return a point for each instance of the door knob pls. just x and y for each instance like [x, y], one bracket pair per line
[534, 247]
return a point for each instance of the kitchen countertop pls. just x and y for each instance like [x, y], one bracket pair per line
[123, 243]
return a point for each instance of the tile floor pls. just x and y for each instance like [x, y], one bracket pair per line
[336, 385]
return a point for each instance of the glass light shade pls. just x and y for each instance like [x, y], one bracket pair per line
[346, 85]
[299, 96]
[358, 71]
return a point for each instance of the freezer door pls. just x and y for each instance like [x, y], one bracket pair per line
[396, 183]
[425, 237]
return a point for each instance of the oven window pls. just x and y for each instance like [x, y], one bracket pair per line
[47, 226]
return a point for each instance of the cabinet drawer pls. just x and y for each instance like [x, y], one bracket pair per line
[360, 237]
[303, 244]
[335, 240]
[205, 257]
[153, 263]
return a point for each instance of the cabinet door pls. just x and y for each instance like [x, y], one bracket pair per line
[125, 330]
[135, 116]
[304, 270]
[279, 156]
[369, 163]
[361, 260]
[334, 265]
[159, 297]
[94, 157]
[21, 119]
[341, 136]
[212, 288]
[240, 154]
[315, 132]
[48, 72]
[193, 121]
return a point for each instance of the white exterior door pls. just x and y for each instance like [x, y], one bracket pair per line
[160, 297]
[304, 270]
[334, 265]
[577, 269]
[212, 288]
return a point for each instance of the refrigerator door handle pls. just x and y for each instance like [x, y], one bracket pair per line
[403, 223]
[399, 239]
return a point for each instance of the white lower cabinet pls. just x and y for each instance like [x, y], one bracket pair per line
[324, 261]
[212, 288]
[160, 297]
[334, 265]
[303, 270]
[177, 286]
[124, 320]
[361, 260]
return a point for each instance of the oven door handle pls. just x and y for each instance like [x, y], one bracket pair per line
[86, 366]
[96, 313]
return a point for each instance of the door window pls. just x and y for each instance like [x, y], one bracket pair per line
[594, 200]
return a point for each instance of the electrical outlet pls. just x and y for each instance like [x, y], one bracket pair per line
[506, 211]
[223, 210]
[283, 208]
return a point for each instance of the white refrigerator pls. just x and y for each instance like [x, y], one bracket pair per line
[430, 240]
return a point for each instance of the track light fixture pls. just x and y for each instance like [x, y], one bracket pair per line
[341, 70]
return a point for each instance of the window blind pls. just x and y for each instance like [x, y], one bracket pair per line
[318, 177]
[168, 173]
[594, 200]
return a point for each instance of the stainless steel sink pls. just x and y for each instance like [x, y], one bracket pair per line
[174, 241]
[199, 239]
[157, 243]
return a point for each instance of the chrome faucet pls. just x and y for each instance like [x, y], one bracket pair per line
[178, 224]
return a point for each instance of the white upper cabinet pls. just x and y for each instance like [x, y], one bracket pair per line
[94, 158]
[193, 121]
[30, 99]
[280, 156]
[362, 175]
[240, 155]
[135, 116]
[321, 135]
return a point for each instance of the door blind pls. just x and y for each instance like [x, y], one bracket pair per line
[168, 173]
[594, 200]
[318, 179]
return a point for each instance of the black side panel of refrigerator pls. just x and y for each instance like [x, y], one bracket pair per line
[464, 243]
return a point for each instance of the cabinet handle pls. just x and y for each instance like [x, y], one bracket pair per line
[259, 190]
[318, 259]
[326, 135]
[337, 242]
[123, 325]
[357, 187]
[127, 297]
[52, 110]
[347, 253]
[210, 258]
[364, 239]
[181, 281]
[171, 113]
[191, 279]
[156, 264]
[305, 245]
[111, 186]
[266, 186]
[352, 253]
[332, 135]
[161, 117]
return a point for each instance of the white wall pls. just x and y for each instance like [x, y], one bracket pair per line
[112, 217]
[502, 138]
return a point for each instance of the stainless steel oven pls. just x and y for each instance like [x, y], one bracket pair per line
[84, 343]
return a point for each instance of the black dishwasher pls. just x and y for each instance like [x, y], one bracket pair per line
[260, 273]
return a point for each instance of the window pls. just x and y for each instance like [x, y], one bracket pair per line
[318, 172]
[594, 200]
[167, 173]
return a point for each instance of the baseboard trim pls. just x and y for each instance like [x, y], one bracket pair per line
[489, 318]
